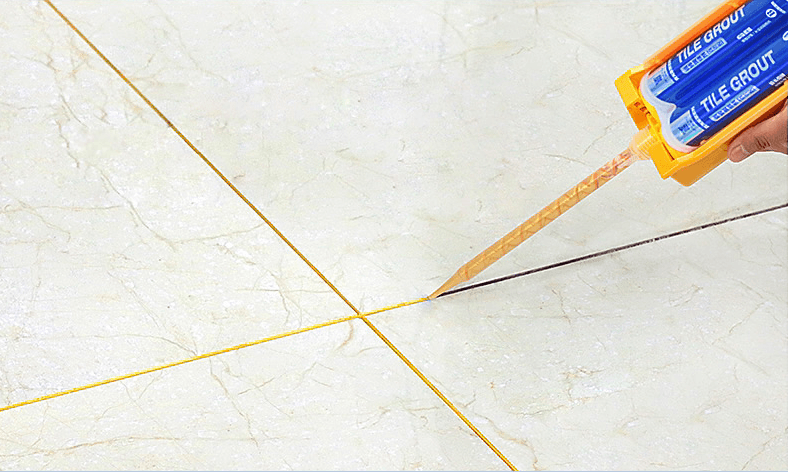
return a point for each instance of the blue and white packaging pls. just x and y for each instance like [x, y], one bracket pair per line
[720, 74]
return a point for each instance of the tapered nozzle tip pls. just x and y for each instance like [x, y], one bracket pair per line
[436, 293]
[454, 280]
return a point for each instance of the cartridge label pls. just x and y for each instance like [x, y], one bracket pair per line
[703, 55]
[686, 128]
[660, 80]
[719, 50]
[731, 94]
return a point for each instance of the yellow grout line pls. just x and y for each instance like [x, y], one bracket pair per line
[358, 315]
[176, 363]
[361, 316]
[438, 393]
[202, 156]
[393, 307]
[207, 355]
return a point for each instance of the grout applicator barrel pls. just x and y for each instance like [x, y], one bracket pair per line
[722, 75]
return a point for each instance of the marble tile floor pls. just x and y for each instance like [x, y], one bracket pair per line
[388, 142]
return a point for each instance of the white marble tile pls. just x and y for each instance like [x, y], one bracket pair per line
[395, 140]
[390, 141]
[332, 399]
[119, 249]
[671, 356]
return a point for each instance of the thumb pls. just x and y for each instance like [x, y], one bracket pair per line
[770, 135]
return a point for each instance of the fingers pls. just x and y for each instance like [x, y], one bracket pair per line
[770, 135]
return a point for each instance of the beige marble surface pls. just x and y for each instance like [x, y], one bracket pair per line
[390, 142]
[119, 250]
[659, 357]
[319, 400]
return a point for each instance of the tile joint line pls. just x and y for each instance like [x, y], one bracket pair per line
[359, 315]
[437, 392]
[201, 155]
[612, 250]
[209, 354]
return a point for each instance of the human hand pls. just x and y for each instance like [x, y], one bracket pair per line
[769, 135]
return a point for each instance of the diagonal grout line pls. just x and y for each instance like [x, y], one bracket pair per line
[531, 271]
[438, 393]
[612, 250]
[360, 315]
[207, 355]
[201, 155]
[176, 363]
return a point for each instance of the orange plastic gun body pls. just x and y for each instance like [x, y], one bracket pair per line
[648, 143]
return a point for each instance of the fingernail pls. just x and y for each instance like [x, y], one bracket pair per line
[738, 153]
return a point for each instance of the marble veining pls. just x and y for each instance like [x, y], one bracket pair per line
[390, 142]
